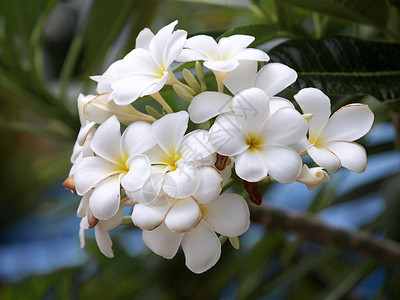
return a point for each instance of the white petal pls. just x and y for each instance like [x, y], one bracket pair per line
[226, 135]
[158, 156]
[84, 132]
[205, 45]
[352, 156]
[207, 105]
[195, 146]
[107, 139]
[174, 47]
[228, 215]
[129, 89]
[276, 103]
[274, 78]
[183, 215]
[113, 222]
[83, 205]
[312, 177]
[103, 240]
[210, 185]
[139, 172]
[286, 126]
[137, 138]
[242, 77]
[143, 39]
[201, 247]
[156, 85]
[251, 166]
[349, 123]
[190, 55]
[183, 182]
[148, 193]
[169, 130]
[104, 202]
[148, 217]
[325, 158]
[313, 101]
[252, 54]
[222, 66]
[232, 45]
[162, 241]
[284, 163]
[159, 42]
[251, 108]
[90, 171]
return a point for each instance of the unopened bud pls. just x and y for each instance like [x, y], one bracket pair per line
[234, 242]
[69, 184]
[307, 117]
[254, 192]
[92, 220]
[153, 112]
[191, 80]
[200, 76]
[222, 239]
[182, 92]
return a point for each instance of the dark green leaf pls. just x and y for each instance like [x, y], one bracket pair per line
[342, 65]
[363, 11]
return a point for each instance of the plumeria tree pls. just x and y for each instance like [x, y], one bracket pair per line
[183, 136]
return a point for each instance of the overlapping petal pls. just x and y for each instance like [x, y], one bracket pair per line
[207, 105]
[210, 185]
[242, 77]
[195, 146]
[325, 158]
[183, 182]
[183, 215]
[148, 217]
[104, 202]
[352, 156]
[137, 138]
[251, 166]
[139, 172]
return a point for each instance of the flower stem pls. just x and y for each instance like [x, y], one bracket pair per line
[161, 100]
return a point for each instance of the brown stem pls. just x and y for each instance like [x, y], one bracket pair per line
[220, 163]
[254, 192]
[312, 228]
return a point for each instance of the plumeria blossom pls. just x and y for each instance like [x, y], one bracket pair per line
[312, 177]
[227, 215]
[330, 141]
[258, 139]
[143, 71]
[272, 79]
[224, 56]
[175, 159]
[118, 161]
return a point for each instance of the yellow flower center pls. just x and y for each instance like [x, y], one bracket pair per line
[254, 142]
[317, 141]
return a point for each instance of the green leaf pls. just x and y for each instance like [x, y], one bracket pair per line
[262, 32]
[363, 11]
[343, 65]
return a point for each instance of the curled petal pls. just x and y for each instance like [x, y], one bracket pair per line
[139, 172]
[183, 215]
[201, 247]
[325, 158]
[183, 182]
[103, 240]
[352, 156]
[162, 241]
[228, 215]
[210, 185]
[104, 202]
[312, 177]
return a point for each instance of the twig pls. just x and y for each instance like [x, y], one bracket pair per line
[310, 227]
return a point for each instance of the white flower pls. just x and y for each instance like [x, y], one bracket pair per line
[221, 57]
[143, 71]
[312, 177]
[227, 215]
[118, 161]
[175, 159]
[330, 141]
[259, 139]
[272, 79]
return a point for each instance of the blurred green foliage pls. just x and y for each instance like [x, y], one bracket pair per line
[49, 48]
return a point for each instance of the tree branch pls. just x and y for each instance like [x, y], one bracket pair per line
[310, 227]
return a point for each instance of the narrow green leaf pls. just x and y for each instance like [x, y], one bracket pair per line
[363, 11]
[343, 65]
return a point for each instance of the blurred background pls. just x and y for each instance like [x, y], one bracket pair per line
[48, 50]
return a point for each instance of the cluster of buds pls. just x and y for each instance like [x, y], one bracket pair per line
[173, 178]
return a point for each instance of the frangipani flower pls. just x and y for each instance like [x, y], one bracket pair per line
[272, 79]
[312, 177]
[258, 139]
[330, 142]
[143, 71]
[221, 57]
[118, 161]
[227, 215]
[176, 157]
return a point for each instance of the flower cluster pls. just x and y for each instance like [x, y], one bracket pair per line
[174, 177]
